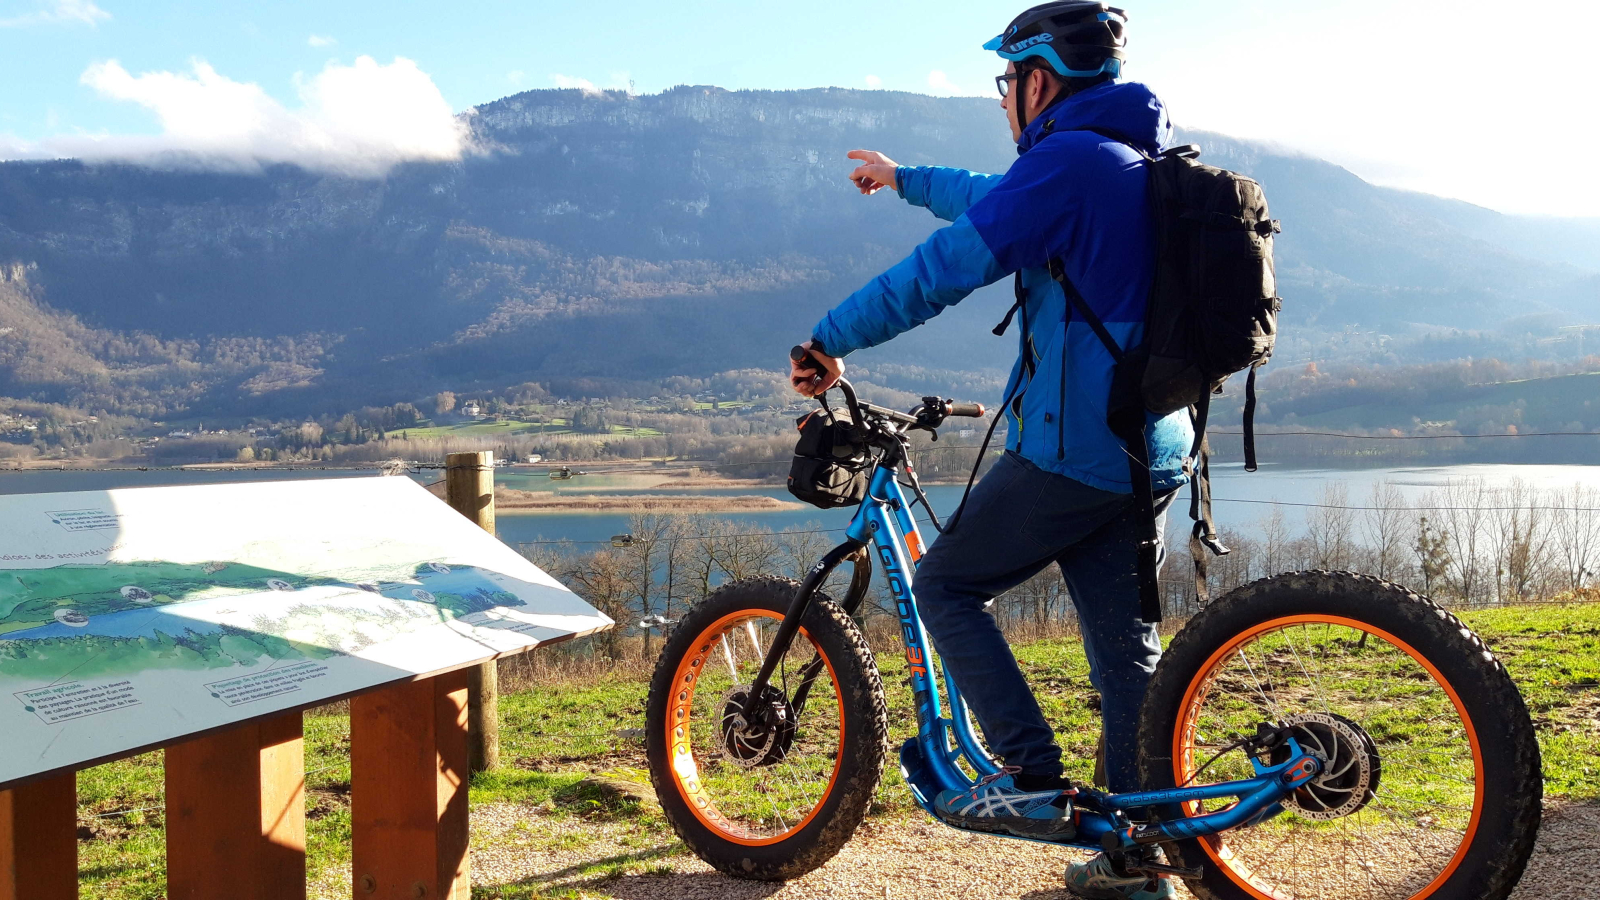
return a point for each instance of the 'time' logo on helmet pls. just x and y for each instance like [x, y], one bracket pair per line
[1076, 38]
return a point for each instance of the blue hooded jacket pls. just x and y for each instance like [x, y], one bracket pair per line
[1073, 195]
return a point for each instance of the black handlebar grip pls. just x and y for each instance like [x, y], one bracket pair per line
[798, 353]
[965, 410]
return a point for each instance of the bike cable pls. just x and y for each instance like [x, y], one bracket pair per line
[950, 523]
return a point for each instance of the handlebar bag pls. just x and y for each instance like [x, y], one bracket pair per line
[830, 462]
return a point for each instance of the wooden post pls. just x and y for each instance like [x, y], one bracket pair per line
[408, 791]
[39, 840]
[236, 813]
[469, 488]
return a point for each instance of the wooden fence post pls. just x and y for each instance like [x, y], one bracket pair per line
[469, 489]
[39, 840]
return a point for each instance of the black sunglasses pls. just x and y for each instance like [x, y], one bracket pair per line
[1003, 82]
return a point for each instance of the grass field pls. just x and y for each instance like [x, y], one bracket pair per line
[557, 736]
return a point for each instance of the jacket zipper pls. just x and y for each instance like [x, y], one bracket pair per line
[1029, 365]
[1061, 397]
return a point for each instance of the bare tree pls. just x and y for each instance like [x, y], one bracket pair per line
[1460, 508]
[679, 557]
[1519, 536]
[1330, 526]
[1237, 567]
[701, 560]
[1432, 548]
[799, 550]
[645, 551]
[604, 580]
[1386, 525]
[1576, 523]
[744, 550]
[1274, 542]
[554, 558]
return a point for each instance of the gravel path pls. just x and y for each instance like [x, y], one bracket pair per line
[887, 860]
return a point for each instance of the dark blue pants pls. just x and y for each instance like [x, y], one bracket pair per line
[1019, 520]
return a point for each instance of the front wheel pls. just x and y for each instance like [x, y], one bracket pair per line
[1431, 782]
[774, 797]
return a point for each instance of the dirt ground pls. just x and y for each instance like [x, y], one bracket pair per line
[886, 861]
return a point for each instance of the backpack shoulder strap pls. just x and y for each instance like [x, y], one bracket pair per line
[1187, 151]
[1081, 307]
[1127, 423]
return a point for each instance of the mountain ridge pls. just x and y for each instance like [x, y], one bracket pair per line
[615, 235]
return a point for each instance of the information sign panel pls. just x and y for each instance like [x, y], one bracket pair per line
[131, 618]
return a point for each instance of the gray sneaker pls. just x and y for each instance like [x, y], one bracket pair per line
[1096, 879]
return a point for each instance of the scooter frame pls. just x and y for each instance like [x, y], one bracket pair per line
[932, 761]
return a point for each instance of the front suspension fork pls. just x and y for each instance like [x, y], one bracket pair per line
[790, 626]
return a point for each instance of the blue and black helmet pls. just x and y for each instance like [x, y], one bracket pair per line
[1076, 38]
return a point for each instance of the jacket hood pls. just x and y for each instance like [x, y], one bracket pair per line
[1128, 108]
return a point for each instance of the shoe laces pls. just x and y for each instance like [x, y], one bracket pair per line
[996, 776]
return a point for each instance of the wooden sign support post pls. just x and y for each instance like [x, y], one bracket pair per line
[39, 840]
[236, 813]
[469, 489]
[408, 791]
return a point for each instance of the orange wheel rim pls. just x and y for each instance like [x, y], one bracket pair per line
[1185, 750]
[680, 727]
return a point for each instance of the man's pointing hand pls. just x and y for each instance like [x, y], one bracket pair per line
[875, 173]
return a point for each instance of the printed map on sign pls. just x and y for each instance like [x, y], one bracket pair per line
[133, 617]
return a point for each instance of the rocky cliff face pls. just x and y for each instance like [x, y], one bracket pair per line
[686, 232]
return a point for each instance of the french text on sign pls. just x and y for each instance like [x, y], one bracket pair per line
[74, 700]
[261, 685]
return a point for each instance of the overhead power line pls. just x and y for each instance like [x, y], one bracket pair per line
[1410, 437]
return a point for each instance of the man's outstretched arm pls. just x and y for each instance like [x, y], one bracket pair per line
[945, 192]
[942, 271]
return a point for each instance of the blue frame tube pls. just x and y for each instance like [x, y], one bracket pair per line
[880, 520]
[960, 724]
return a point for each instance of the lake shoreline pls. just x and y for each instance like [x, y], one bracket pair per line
[508, 500]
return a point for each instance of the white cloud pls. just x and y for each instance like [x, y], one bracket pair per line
[358, 120]
[874, 82]
[60, 12]
[321, 40]
[517, 77]
[1469, 109]
[568, 82]
[943, 86]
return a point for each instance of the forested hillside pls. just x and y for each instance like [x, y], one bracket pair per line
[639, 237]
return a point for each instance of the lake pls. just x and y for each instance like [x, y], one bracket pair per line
[1242, 498]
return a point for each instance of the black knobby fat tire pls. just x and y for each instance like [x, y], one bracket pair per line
[1509, 820]
[866, 728]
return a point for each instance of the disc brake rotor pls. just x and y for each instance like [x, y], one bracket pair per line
[1351, 767]
[763, 740]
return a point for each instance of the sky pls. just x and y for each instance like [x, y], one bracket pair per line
[1490, 102]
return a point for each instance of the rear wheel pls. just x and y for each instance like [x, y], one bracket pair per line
[774, 797]
[1431, 779]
